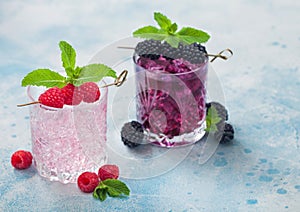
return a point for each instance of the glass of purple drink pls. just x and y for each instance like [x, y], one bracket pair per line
[70, 140]
[171, 93]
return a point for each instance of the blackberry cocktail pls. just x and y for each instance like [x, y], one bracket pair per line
[171, 91]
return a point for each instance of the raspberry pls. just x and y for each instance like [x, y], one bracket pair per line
[72, 95]
[52, 97]
[90, 91]
[21, 159]
[108, 171]
[88, 181]
[132, 134]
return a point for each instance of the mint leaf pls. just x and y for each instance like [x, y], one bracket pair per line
[212, 119]
[44, 77]
[190, 35]
[111, 187]
[116, 188]
[68, 56]
[100, 192]
[173, 40]
[93, 73]
[168, 32]
[173, 28]
[163, 21]
[150, 32]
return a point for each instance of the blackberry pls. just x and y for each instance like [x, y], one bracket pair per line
[132, 134]
[194, 53]
[226, 134]
[222, 111]
[148, 47]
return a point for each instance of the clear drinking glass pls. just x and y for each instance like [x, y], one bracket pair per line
[70, 140]
[171, 106]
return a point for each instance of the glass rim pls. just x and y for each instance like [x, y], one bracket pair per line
[164, 73]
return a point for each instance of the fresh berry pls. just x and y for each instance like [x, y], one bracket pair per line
[72, 95]
[132, 134]
[90, 91]
[52, 97]
[108, 171]
[21, 159]
[222, 111]
[87, 182]
[225, 135]
[194, 53]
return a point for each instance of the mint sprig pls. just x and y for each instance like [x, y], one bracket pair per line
[74, 75]
[168, 32]
[112, 188]
[212, 119]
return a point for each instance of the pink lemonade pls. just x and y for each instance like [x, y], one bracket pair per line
[70, 140]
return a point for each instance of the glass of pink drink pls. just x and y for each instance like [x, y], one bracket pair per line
[70, 140]
[171, 96]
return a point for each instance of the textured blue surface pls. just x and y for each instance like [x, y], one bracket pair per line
[260, 171]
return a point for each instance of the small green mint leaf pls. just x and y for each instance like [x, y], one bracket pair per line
[163, 21]
[116, 188]
[100, 192]
[44, 77]
[69, 71]
[212, 119]
[173, 40]
[150, 32]
[172, 29]
[190, 35]
[93, 73]
[68, 55]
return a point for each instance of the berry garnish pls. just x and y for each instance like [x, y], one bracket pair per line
[168, 32]
[75, 77]
[108, 171]
[52, 97]
[72, 95]
[228, 134]
[216, 118]
[222, 111]
[87, 182]
[90, 92]
[21, 159]
[132, 134]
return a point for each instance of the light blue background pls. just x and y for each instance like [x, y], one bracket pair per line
[259, 172]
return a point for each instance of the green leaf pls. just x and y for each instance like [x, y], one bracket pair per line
[163, 21]
[116, 188]
[190, 35]
[44, 77]
[111, 187]
[173, 28]
[150, 32]
[173, 40]
[212, 119]
[100, 192]
[93, 73]
[68, 55]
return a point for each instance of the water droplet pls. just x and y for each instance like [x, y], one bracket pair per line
[297, 187]
[221, 153]
[247, 151]
[273, 171]
[251, 201]
[264, 178]
[281, 191]
[263, 160]
[250, 174]
[220, 162]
